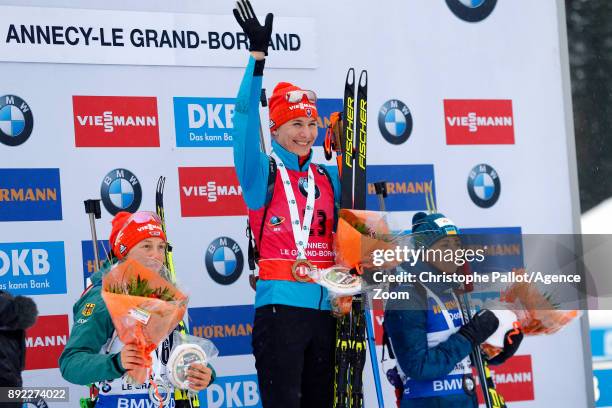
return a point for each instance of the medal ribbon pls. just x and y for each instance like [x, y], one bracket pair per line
[301, 233]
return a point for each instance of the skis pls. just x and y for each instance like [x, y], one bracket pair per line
[182, 398]
[351, 329]
[492, 399]
[360, 188]
[347, 140]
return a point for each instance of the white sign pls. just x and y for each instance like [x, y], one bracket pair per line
[78, 36]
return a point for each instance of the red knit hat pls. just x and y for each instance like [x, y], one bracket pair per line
[129, 229]
[282, 111]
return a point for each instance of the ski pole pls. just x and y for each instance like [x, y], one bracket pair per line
[381, 192]
[374, 358]
[92, 208]
[466, 308]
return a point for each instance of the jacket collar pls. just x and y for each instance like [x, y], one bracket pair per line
[291, 160]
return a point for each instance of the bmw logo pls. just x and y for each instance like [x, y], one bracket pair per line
[472, 11]
[16, 120]
[395, 121]
[303, 185]
[483, 185]
[120, 191]
[224, 260]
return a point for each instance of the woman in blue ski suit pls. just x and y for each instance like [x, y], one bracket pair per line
[431, 342]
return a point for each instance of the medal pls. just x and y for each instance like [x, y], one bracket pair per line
[301, 231]
[301, 270]
[179, 361]
[339, 281]
[164, 394]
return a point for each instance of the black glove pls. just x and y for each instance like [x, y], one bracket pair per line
[480, 327]
[512, 341]
[258, 35]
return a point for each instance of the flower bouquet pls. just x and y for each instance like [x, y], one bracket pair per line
[536, 313]
[358, 235]
[144, 307]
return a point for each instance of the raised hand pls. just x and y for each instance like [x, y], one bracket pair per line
[258, 35]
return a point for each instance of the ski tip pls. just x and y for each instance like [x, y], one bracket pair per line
[363, 78]
[350, 76]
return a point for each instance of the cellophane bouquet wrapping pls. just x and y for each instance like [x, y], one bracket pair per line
[358, 235]
[144, 307]
[537, 313]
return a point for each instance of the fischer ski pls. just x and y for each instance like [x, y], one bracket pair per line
[351, 149]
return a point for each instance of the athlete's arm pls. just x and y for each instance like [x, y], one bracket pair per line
[252, 165]
[81, 361]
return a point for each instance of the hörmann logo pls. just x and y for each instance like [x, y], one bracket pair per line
[513, 379]
[210, 191]
[204, 122]
[89, 262]
[45, 342]
[474, 121]
[30, 195]
[115, 121]
[408, 186]
[229, 327]
[502, 248]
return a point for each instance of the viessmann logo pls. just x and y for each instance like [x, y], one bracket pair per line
[476, 121]
[210, 191]
[115, 121]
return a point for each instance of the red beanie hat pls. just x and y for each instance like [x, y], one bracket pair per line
[142, 226]
[282, 111]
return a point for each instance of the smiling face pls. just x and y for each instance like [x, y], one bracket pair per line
[150, 248]
[297, 135]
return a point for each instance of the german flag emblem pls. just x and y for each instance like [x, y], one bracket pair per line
[88, 310]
